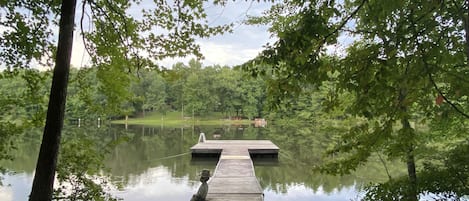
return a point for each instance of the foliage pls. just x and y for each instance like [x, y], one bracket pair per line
[83, 97]
[21, 105]
[25, 35]
[120, 38]
[81, 173]
[393, 57]
[213, 89]
[7, 147]
[205, 90]
[453, 172]
[116, 42]
[150, 92]
[23, 97]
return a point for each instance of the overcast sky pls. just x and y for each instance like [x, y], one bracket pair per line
[228, 49]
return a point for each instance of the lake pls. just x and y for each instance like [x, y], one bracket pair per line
[154, 163]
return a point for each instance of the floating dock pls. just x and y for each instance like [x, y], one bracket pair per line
[234, 178]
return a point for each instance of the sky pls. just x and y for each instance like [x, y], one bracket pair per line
[229, 49]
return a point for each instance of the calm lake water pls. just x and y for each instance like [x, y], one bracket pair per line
[154, 163]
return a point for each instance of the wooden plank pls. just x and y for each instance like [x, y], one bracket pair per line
[254, 146]
[234, 185]
[234, 197]
[234, 178]
[234, 157]
[234, 168]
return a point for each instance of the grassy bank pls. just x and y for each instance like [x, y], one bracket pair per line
[175, 118]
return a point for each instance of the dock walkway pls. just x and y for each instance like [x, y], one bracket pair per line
[234, 178]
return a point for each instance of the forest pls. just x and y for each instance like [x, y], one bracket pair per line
[92, 93]
[398, 75]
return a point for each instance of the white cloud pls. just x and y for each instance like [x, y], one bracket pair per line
[229, 49]
[227, 54]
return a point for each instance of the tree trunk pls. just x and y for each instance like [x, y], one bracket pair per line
[408, 134]
[412, 195]
[43, 183]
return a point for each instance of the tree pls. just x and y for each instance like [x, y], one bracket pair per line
[118, 41]
[150, 91]
[198, 89]
[226, 90]
[402, 56]
[47, 161]
[176, 79]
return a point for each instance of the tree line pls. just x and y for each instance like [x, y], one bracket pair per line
[94, 93]
[190, 88]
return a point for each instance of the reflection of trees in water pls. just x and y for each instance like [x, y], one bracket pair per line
[148, 147]
[27, 146]
[301, 150]
[152, 147]
[25, 154]
[142, 148]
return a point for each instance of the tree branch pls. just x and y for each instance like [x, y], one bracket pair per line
[83, 38]
[342, 24]
[385, 166]
[103, 12]
[430, 76]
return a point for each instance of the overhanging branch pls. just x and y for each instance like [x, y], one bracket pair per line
[430, 76]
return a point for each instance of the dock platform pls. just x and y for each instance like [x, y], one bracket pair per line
[234, 178]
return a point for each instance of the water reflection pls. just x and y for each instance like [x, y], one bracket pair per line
[153, 163]
[17, 187]
[299, 192]
[157, 184]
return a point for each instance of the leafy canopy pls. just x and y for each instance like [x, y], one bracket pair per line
[394, 57]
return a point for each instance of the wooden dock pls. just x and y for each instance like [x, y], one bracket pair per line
[234, 178]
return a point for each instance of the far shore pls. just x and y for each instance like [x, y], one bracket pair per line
[175, 118]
